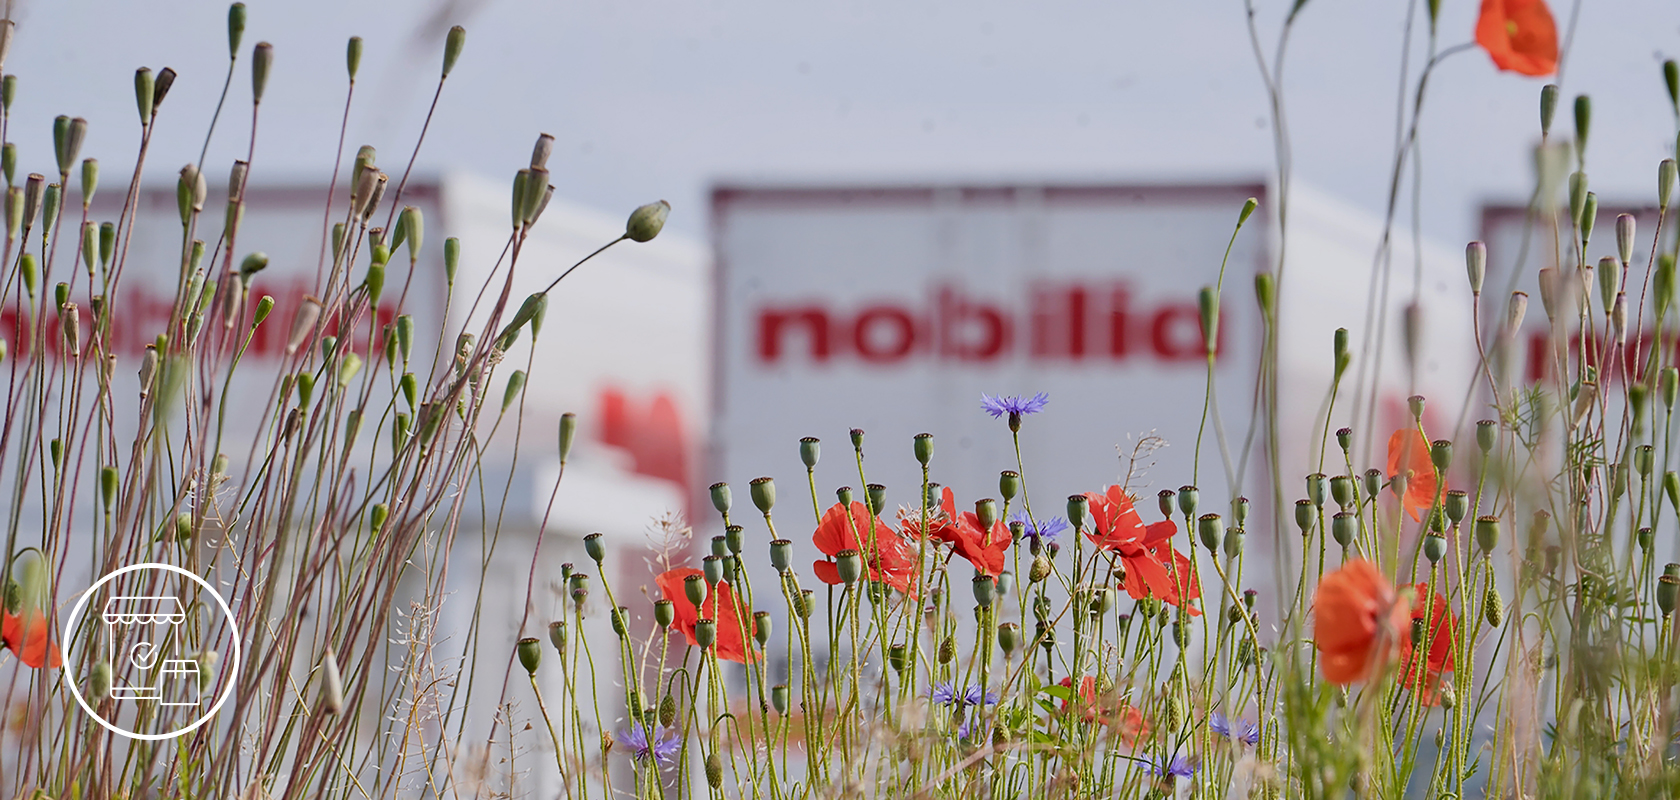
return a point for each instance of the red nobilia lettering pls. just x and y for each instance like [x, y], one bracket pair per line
[1118, 342]
[896, 323]
[772, 323]
[1076, 322]
[970, 331]
[1176, 333]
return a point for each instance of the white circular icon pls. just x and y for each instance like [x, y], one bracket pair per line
[147, 655]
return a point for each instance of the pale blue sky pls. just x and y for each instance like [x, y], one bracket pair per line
[657, 99]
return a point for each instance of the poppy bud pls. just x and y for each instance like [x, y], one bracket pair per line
[1211, 528]
[694, 587]
[1342, 490]
[1039, 571]
[1475, 265]
[1343, 527]
[947, 650]
[1434, 546]
[705, 632]
[985, 591]
[985, 512]
[763, 491]
[530, 654]
[1009, 637]
[1318, 489]
[1415, 404]
[1187, 500]
[1077, 505]
[844, 496]
[876, 494]
[1009, 484]
[1340, 351]
[1233, 543]
[1305, 513]
[850, 566]
[647, 221]
[1668, 588]
[1457, 504]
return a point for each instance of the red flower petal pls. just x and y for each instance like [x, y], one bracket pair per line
[1519, 35]
[1409, 451]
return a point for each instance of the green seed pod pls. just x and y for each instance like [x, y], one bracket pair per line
[695, 588]
[1668, 588]
[143, 85]
[803, 604]
[947, 650]
[1487, 533]
[985, 590]
[1397, 484]
[734, 539]
[1342, 490]
[1440, 454]
[1344, 526]
[664, 613]
[1233, 543]
[1305, 515]
[850, 566]
[1548, 106]
[262, 57]
[620, 622]
[353, 57]
[1211, 529]
[1188, 498]
[595, 545]
[763, 491]
[985, 512]
[90, 246]
[515, 384]
[1165, 500]
[557, 631]
[1667, 174]
[1340, 352]
[568, 433]
[923, 446]
[1009, 637]
[1643, 456]
[1671, 487]
[720, 546]
[530, 654]
[8, 92]
[810, 450]
[1318, 489]
[1265, 294]
[90, 181]
[347, 369]
[451, 258]
[647, 221]
[184, 526]
[50, 205]
[1457, 505]
[377, 517]
[1434, 546]
[108, 480]
[1644, 537]
[857, 439]
[1207, 305]
[1583, 123]
[1415, 404]
[1662, 284]
[452, 45]
[762, 627]
[876, 495]
[714, 770]
[1077, 505]
[1239, 510]
[99, 681]
[1589, 216]
[705, 632]
[778, 700]
[712, 567]
[1344, 439]
[1493, 606]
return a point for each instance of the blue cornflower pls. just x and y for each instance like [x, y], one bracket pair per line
[945, 693]
[972, 696]
[1244, 730]
[1014, 406]
[972, 730]
[1181, 766]
[1048, 528]
[664, 747]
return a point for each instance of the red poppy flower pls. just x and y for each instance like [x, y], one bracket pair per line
[1357, 622]
[27, 636]
[1153, 567]
[1439, 634]
[1128, 723]
[722, 607]
[984, 549]
[891, 559]
[1519, 35]
[1409, 451]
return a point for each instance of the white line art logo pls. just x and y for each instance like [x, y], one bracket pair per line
[156, 639]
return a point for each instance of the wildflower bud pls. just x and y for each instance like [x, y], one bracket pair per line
[694, 587]
[1265, 294]
[1662, 284]
[1187, 500]
[332, 686]
[1475, 265]
[1434, 546]
[714, 770]
[705, 632]
[143, 85]
[1207, 303]
[1233, 543]
[1211, 528]
[1039, 571]
[347, 369]
[876, 494]
[67, 141]
[985, 512]
[165, 79]
[947, 650]
[1493, 606]
[1668, 588]
[1619, 318]
[303, 323]
[90, 181]
[1305, 514]
[530, 654]
[1009, 484]
[1165, 500]
[1548, 105]
[1318, 489]
[1343, 527]
[1077, 505]
[50, 205]
[1342, 490]
[985, 590]
[1644, 537]
[844, 496]
[1666, 176]
[646, 222]
[452, 45]
[99, 681]
[763, 491]
[1457, 504]
[1589, 217]
[1584, 400]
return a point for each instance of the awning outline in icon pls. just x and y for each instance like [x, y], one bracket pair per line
[150, 622]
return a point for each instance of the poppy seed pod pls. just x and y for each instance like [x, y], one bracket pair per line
[647, 221]
[596, 546]
[1440, 454]
[844, 496]
[1644, 537]
[1318, 489]
[876, 494]
[985, 590]
[530, 654]
[1668, 588]
[1188, 498]
[1211, 528]
[1475, 265]
[850, 566]
[1239, 510]
[705, 632]
[1166, 499]
[778, 698]
[1305, 514]
[1434, 546]
[1373, 482]
[1009, 484]
[695, 589]
[734, 539]
[712, 568]
[720, 497]
[1397, 484]
[810, 449]
[1344, 439]
[1343, 527]
[1415, 405]
[1077, 505]
[1233, 543]
[923, 446]
[762, 627]
[781, 554]
[1343, 490]
[763, 491]
[720, 547]
[1009, 637]
[985, 512]
[1642, 459]
[1487, 533]
[1457, 505]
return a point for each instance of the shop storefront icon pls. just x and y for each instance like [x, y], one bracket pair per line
[146, 629]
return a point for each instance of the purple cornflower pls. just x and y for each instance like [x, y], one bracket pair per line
[1244, 730]
[1048, 528]
[1181, 766]
[972, 729]
[664, 747]
[1015, 406]
[945, 693]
